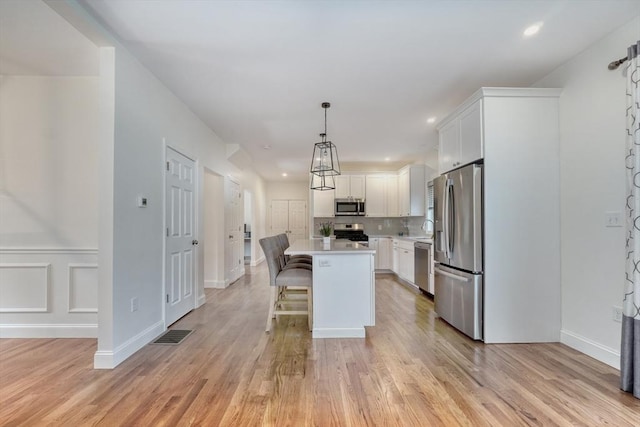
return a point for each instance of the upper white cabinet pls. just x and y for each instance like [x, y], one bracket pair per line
[461, 138]
[393, 209]
[411, 191]
[350, 186]
[381, 195]
[323, 203]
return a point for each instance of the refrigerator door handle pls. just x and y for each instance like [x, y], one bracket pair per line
[451, 275]
[445, 219]
[451, 222]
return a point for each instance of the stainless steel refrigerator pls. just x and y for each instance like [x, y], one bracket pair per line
[458, 249]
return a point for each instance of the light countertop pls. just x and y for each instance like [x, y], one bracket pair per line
[426, 239]
[316, 246]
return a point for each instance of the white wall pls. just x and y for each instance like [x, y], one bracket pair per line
[254, 184]
[139, 118]
[213, 238]
[592, 128]
[148, 117]
[48, 206]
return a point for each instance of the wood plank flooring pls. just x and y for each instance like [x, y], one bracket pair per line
[411, 370]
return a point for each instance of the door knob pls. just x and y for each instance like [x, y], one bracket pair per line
[194, 242]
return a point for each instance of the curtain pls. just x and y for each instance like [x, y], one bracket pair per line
[630, 351]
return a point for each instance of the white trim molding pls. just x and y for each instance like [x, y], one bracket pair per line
[591, 348]
[216, 284]
[257, 261]
[201, 300]
[110, 359]
[40, 251]
[45, 296]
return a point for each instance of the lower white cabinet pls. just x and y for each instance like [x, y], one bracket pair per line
[403, 259]
[382, 245]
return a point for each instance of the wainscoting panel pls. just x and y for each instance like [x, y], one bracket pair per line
[24, 287]
[83, 288]
[48, 292]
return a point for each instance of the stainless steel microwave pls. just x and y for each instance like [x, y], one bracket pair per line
[349, 207]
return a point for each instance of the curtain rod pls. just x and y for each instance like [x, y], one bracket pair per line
[615, 64]
[632, 52]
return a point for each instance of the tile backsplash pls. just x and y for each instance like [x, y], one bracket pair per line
[408, 226]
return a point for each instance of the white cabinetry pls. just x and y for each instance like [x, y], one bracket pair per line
[381, 195]
[411, 191]
[518, 135]
[393, 208]
[403, 259]
[461, 138]
[350, 186]
[384, 248]
[323, 205]
[382, 245]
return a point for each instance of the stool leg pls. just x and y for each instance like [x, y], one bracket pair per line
[272, 304]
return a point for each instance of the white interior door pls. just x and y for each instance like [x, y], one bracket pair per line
[279, 216]
[289, 217]
[297, 220]
[181, 240]
[234, 242]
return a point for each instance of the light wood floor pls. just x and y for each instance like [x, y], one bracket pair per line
[411, 370]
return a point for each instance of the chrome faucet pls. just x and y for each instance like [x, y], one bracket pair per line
[424, 224]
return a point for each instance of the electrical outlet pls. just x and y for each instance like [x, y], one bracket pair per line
[379, 227]
[617, 314]
[134, 304]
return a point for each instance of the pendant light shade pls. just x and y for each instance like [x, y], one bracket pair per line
[325, 158]
[324, 163]
[322, 182]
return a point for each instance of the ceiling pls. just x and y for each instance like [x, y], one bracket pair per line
[257, 71]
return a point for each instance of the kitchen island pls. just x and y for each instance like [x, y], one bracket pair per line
[343, 286]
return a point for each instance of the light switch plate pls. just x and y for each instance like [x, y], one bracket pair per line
[613, 219]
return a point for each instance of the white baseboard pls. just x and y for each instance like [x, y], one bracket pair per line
[48, 331]
[111, 359]
[591, 348]
[255, 263]
[201, 300]
[338, 333]
[216, 284]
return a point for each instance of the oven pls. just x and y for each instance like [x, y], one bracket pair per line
[353, 232]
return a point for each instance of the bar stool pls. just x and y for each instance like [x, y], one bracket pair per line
[283, 299]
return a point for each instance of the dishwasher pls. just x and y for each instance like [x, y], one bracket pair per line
[422, 266]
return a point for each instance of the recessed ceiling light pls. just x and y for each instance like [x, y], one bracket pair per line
[266, 146]
[386, 159]
[533, 29]
[284, 174]
[431, 120]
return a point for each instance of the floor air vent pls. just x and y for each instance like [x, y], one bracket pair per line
[172, 337]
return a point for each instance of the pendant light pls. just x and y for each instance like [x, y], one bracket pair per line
[322, 182]
[324, 163]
